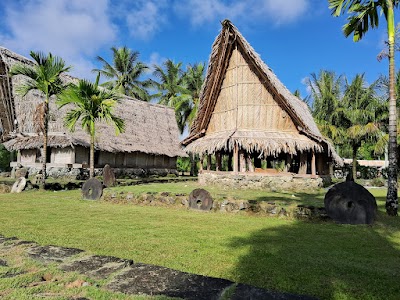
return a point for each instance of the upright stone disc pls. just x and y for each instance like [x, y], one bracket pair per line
[200, 199]
[92, 189]
[350, 203]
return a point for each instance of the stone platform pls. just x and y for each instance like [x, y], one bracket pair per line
[264, 181]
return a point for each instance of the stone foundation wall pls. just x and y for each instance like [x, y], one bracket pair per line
[286, 182]
[83, 173]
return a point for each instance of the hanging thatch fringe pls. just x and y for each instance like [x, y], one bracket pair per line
[266, 143]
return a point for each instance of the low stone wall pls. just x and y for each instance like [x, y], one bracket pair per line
[83, 173]
[247, 207]
[275, 183]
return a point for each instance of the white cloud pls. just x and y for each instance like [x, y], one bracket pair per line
[72, 29]
[277, 12]
[145, 18]
[284, 11]
[203, 11]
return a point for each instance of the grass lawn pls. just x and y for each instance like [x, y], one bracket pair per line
[321, 259]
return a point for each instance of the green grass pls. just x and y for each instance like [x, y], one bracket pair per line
[322, 259]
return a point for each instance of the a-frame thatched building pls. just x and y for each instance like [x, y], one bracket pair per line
[248, 115]
[150, 143]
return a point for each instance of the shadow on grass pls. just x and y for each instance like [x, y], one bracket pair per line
[325, 260]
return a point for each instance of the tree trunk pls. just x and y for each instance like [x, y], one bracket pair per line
[45, 139]
[354, 164]
[91, 168]
[391, 198]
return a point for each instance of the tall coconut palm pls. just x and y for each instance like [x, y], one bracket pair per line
[168, 83]
[326, 94]
[362, 14]
[90, 104]
[361, 118]
[43, 76]
[125, 73]
[188, 103]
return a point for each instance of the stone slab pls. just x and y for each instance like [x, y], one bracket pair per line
[97, 266]
[49, 254]
[154, 280]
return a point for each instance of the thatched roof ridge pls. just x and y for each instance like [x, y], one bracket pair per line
[150, 128]
[217, 66]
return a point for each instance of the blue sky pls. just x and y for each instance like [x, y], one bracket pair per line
[294, 37]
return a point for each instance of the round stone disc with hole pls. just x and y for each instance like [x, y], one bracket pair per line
[92, 189]
[350, 203]
[19, 185]
[200, 199]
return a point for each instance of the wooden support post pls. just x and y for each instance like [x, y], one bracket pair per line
[242, 161]
[201, 163]
[303, 163]
[208, 162]
[235, 158]
[330, 168]
[218, 161]
[249, 162]
[313, 164]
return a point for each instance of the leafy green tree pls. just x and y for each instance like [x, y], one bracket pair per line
[361, 120]
[43, 76]
[326, 95]
[125, 73]
[168, 83]
[188, 103]
[90, 104]
[362, 14]
[5, 158]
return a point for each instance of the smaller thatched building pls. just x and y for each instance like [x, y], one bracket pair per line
[248, 122]
[150, 143]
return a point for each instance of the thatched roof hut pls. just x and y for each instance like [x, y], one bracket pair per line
[243, 104]
[150, 128]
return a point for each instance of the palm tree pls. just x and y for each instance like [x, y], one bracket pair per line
[326, 93]
[193, 80]
[44, 76]
[364, 13]
[169, 83]
[125, 73]
[361, 119]
[91, 104]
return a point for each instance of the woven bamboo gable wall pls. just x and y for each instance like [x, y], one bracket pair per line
[244, 103]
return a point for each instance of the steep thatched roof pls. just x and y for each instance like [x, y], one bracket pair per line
[149, 128]
[307, 135]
